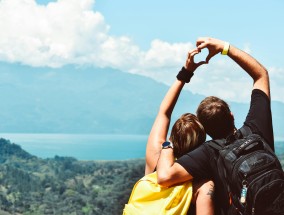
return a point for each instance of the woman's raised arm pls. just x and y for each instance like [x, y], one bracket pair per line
[160, 127]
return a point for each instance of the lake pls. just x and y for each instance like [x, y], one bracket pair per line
[89, 146]
[82, 146]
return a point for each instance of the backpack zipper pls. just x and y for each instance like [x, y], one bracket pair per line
[238, 164]
[256, 179]
[244, 192]
[248, 141]
[271, 163]
[262, 175]
[254, 199]
[252, 211]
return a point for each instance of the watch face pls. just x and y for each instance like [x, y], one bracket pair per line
[167, 145]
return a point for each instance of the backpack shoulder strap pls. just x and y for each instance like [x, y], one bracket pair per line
[220, 143]
[245, 131]
[217, 144]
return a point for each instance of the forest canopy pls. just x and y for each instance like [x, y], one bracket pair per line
[63, 185]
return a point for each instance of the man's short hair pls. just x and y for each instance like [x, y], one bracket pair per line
[216, 117]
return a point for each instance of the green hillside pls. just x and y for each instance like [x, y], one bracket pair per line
[63, 185]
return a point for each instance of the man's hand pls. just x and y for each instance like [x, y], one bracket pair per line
[214, 46]
[258, 72]
[189, 64]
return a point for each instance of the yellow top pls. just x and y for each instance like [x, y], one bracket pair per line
[149, 198]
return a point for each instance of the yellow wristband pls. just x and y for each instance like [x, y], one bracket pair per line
[226, 48]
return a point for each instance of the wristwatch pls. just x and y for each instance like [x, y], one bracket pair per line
[167, 145]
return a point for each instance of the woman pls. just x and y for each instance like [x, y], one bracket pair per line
[187, 133]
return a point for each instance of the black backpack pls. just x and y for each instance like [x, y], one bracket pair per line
[251, 174]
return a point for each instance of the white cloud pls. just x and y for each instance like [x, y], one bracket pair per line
[60, 33]
[162, 57]
[223, 78]
[72, 32]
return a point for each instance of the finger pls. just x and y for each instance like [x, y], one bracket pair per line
[209, 57]
[200, 40]
[202, 46]
[192, 51]
[200, 63]
[192, 54]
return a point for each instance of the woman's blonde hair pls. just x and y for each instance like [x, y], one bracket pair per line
[187, 133]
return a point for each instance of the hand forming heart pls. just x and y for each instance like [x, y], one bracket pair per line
[201, 56]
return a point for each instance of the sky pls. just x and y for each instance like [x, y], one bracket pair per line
[149, 38]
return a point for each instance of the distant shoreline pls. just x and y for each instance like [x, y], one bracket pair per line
[276, 138]
[90, 147]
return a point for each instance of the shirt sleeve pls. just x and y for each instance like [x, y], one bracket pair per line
[259, 117]
[197, 163]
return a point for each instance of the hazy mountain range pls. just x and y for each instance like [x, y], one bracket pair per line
[91, 100]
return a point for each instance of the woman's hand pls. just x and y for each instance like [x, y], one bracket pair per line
[190, 65]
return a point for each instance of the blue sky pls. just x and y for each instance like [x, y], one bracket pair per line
[149, 38]
[255, 22]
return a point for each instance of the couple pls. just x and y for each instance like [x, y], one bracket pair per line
[185, 157]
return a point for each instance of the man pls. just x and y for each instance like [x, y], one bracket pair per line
[218, 122]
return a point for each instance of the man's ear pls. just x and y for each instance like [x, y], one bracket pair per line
[232, 116]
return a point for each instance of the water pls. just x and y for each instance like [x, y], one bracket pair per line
[89, 146]
[82, 146]
[279, 147]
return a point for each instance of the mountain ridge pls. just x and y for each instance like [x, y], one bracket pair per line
[92, 100]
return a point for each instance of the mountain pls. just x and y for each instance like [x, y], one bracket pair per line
[91, 100]
[8, 150]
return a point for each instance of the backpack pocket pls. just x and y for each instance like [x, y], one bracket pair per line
[250, 167]
[266, 194]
